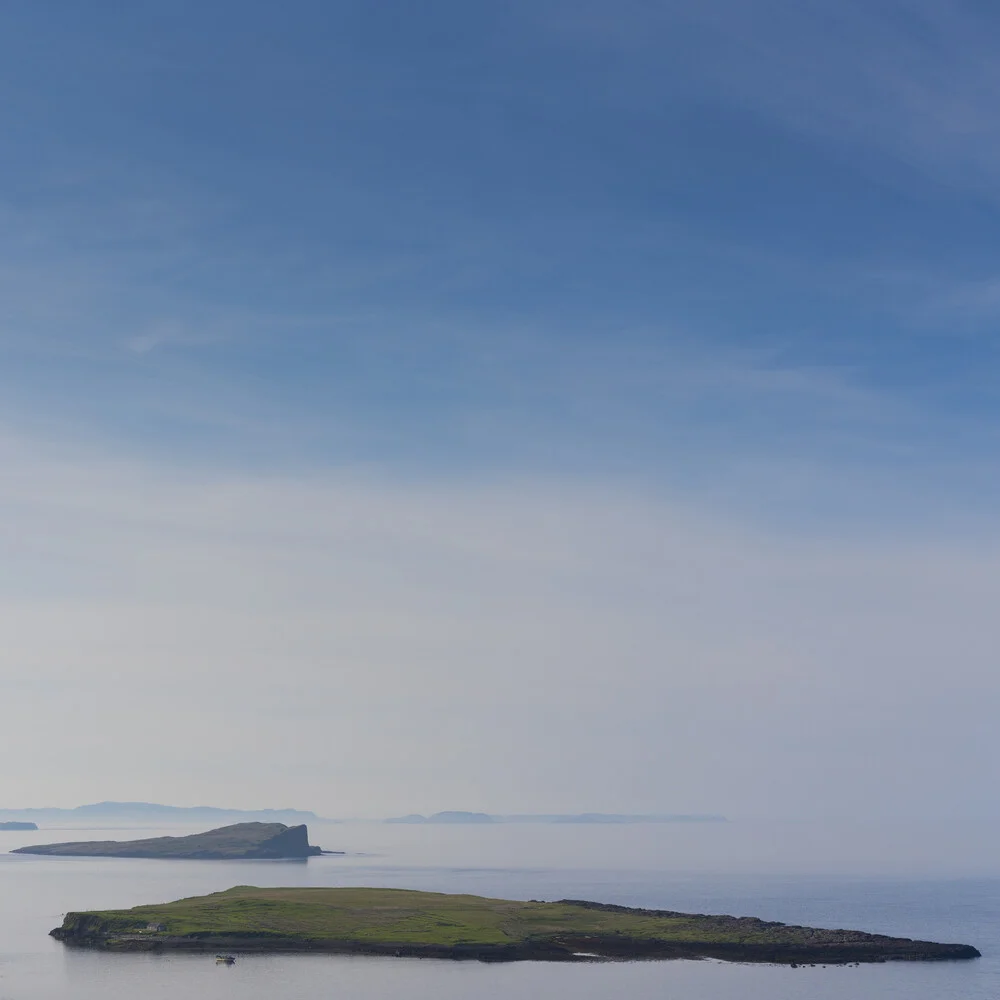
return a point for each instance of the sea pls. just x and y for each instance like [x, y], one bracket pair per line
[916, 880]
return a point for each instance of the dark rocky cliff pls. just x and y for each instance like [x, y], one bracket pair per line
[291, 842]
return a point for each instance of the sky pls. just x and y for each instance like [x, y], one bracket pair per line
[524, 407]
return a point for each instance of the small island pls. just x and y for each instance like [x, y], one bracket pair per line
[241, 841]
[400, 922]
[17, 825]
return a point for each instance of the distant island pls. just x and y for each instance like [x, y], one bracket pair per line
[237, 842]
[452, 816]
[15, 825]
[621, 819]
[457, 816]
[102, 813]
[402, 922]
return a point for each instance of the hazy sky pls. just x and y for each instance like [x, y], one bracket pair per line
[526, 407]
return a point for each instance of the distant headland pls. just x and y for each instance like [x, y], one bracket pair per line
[458, 816]
[15, 825]
[452, 816]
[152, 813]
[400, 922]
[241, 841]
[102, 815]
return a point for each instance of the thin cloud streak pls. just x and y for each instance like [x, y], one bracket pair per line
[914, 80]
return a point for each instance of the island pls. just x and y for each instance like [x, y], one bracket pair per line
[241, 841]
[15, 825]
[458, 816]
[449, 816]
[402, 922]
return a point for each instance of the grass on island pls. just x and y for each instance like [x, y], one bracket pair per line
[393, 916]
[427, 922]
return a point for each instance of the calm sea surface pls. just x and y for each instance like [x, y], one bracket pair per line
[929, 886]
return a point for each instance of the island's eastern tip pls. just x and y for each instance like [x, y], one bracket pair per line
[406, 923]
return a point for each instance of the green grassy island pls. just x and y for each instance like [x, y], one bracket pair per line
[435, 925]
[240, 841]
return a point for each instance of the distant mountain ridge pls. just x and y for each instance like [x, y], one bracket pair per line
[619, 818]
[451, 816]
[457, 816]
[110, 814]
[154, 812]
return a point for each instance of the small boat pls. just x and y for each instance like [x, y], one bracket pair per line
[225, 959]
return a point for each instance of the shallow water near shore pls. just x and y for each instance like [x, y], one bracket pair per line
[725, 868]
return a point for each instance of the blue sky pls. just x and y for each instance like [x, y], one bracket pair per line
[654, 241]
[669, 327]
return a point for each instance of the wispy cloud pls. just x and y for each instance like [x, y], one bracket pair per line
[169, 333]
[913, 80]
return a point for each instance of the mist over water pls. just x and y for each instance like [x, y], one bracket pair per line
[936, 848]
[797, 873]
